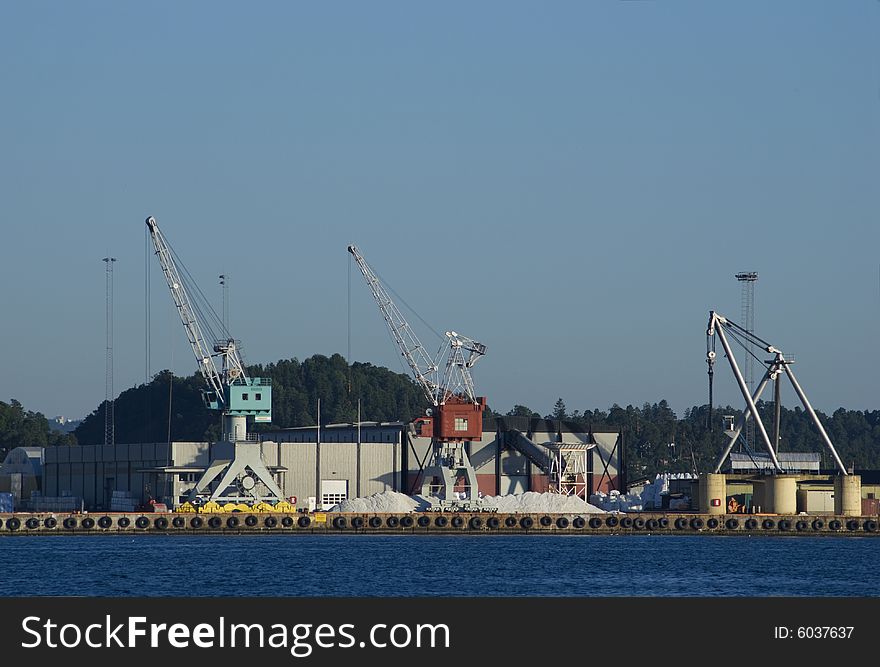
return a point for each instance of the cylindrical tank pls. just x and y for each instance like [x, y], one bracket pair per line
[848, 495]
[780, 494]
[713, 493]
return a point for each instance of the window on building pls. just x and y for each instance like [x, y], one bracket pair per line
[461, 424]
[244, 397]
[258, 397]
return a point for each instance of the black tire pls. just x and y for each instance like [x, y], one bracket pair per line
[232, 522]
[88, 523]
[801, 526]
[32, 523]
[768, 524]
[123, 522]
[578, 522]
[13, 523]
[510, 521]
[357, 522]
[215, 522]
[406, 521]
[50, 522]
[638, 523]
[871, 526]
[852, 524]
[611, 521]
[784, 524]
[142, 522]
[595, 523]
[818, 524]
[526, 522]
[732, 524]
[712, 523]
[546, 521]
[304, 522]
[456, 522]
[424, 522]
[161, 523]
[475, 523]
[69, 523]
[834, 524]
[178, 522]
[562, 522]
[751, 523]
[105, 522]
[250, 521]
[270, 522]
[696, 523]
[493, 522]
[441, 522]
[339, 522]
[626, 522]
[196, 522]
[663, 522]
[375, 522]
[652, 524]
[392, 522]
[681, 523]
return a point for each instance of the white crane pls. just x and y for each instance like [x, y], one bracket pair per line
[237, 472]
[456, 413]
[776, 367]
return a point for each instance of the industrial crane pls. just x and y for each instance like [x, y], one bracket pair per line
[776, 367]
[237, 471]
[456, 415]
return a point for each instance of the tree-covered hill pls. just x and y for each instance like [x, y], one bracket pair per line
[173, 405]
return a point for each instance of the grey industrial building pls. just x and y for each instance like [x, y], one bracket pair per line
[340, 461]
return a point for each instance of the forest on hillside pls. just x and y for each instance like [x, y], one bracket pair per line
[656, 439]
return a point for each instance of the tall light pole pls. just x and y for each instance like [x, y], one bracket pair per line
[109, 417]
[748, 280]
[224, 286]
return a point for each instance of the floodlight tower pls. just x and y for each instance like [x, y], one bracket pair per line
[109, 416]
[747, 317]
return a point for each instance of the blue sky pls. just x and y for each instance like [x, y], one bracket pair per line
[573, 184]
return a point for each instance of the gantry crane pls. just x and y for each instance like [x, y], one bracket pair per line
[776, 367]
[456, 413]
[237, 471]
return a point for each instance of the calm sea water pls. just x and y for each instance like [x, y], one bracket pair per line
[372, 566]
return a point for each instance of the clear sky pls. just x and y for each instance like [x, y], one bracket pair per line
[573, 184]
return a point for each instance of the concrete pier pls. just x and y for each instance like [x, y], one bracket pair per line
[780, 494]
[713, 493]
[848, 495]
[426, 523]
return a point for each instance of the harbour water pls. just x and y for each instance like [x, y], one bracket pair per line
[371, 566]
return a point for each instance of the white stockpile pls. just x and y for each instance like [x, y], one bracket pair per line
[649, 498]
[520, 503]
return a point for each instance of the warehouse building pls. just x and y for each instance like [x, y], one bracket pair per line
[340, 461]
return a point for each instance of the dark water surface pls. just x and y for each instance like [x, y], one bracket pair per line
[643, 565]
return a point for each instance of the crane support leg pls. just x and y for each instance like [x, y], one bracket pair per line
[812, 413]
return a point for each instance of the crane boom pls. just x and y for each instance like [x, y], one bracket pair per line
[188, 318]
[424, 368]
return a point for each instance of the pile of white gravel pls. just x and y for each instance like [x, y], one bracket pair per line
[532, 502]
[520, 503]
[387, 501]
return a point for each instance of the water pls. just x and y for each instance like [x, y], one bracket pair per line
[294, 565]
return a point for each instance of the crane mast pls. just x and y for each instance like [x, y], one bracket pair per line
[456, 414]
[237, 471]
